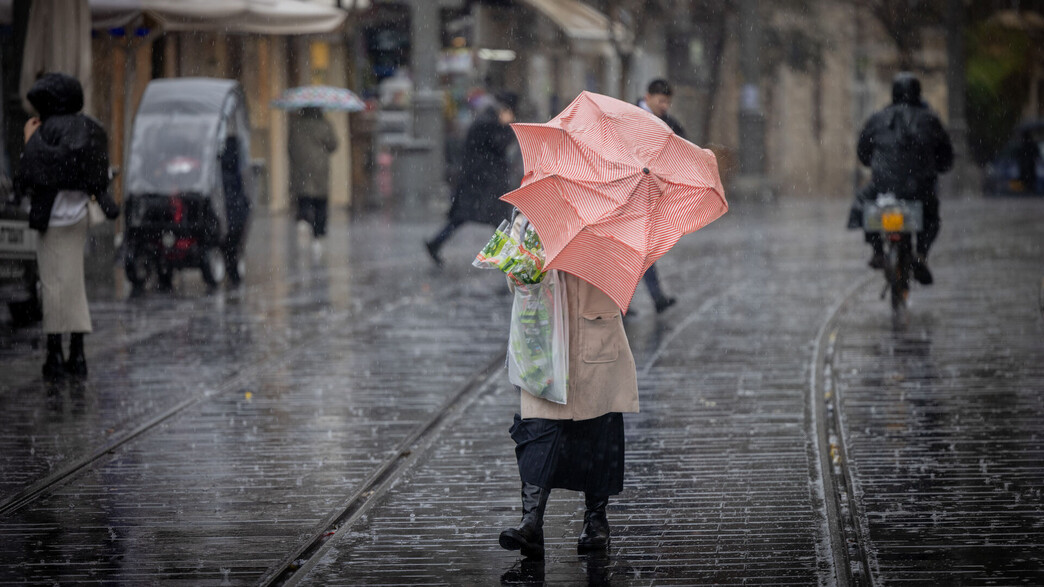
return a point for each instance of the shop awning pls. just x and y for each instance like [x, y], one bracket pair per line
[272, 17]
[581, 23]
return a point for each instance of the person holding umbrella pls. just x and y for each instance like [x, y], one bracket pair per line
[311, 141]
[579, 445]
[609, 189]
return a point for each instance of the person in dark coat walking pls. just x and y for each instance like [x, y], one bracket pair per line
[658, 101]
[237, 205]
[65, 162]
[906, 148]
[485, 173]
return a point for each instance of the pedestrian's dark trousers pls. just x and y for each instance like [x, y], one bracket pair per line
[451, 226]
[652, 282]
[312, 209]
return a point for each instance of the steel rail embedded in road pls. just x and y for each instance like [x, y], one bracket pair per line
[296, 565]
[67, 471]
[843, 533]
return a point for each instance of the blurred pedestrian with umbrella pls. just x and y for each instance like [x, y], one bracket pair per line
[609, 189]
[485, 172]
[311, 142]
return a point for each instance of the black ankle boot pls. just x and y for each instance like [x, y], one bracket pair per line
[529, 535]
[54, 367]
[77, 363]
[920, 270]
[595, 535]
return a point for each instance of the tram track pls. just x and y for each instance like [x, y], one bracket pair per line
[821, 415]
[292, 570]
[828, 455]
[293, 567]
[257, 370]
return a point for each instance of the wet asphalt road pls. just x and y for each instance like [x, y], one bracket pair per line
[344, 420]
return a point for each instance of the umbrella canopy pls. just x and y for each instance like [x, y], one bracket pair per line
[325, 97]
[610, 189]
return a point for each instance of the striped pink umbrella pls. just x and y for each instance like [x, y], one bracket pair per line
[610, 189]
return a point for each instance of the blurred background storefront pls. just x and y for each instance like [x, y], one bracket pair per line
[778, 90]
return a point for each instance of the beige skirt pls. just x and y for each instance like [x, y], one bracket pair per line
[60, 256]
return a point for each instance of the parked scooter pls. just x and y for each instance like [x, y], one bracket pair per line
[896, 221]
[177, 213]
[19, 276]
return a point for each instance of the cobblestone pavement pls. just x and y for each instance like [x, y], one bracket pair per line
[941, 414]
[347, 418]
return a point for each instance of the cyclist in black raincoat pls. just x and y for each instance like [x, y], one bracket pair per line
[906, 148]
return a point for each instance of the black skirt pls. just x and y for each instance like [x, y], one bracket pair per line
[580, 455]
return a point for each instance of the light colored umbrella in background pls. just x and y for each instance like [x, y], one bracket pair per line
[325, 97]
[610, 189]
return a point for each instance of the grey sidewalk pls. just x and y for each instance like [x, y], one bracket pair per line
[285, 401]
[718, 487]
[723, 485]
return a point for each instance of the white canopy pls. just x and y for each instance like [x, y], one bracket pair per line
[273, 17]
[585, 26]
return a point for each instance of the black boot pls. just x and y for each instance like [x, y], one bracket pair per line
[663, 303]
[53, 367]
[595, 535]
[527, 572]
[77, 363]
[433, 251]
[877, 260]
[529, 535]
[920, 270]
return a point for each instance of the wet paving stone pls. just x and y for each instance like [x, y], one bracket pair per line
[717, 489]
[303, 395]
[280, 401]
[942, 413]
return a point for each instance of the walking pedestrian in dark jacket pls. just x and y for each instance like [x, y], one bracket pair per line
[237, 205]
[65, 162]
[906, 148]
[485, 173]
[658, 97]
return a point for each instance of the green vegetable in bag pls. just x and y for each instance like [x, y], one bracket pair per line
[522, 261]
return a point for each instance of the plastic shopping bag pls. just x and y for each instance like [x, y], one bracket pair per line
[538, 343]
[519, 255]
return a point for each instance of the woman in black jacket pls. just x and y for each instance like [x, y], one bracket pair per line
[64, 163]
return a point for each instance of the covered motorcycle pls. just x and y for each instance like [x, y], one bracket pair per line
[187, 188]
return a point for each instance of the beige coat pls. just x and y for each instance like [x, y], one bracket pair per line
[602, 375]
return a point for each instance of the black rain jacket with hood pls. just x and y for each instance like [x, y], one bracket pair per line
[69, 151]
[905, 144]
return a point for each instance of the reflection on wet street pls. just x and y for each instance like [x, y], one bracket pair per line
[342, 419]
[941, 416]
